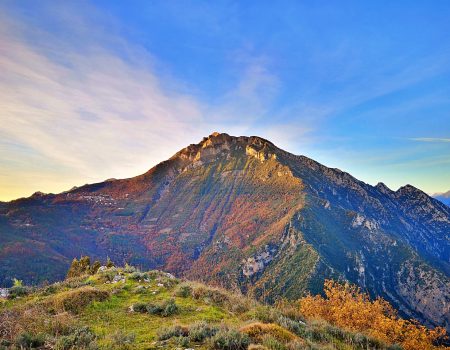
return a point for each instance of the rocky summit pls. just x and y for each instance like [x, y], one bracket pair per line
[241, 213]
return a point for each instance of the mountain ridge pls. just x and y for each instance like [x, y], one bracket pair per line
[242, 213]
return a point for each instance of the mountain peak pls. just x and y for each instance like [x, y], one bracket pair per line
[221, 143]
[383, 188]
[409, 190]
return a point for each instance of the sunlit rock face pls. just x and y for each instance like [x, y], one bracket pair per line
[241, 213]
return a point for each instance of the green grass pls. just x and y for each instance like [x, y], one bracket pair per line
[113, 326]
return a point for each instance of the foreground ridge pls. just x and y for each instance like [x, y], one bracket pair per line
[117, 308]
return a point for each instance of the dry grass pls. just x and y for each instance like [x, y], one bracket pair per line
[236, 303]
[76, 300]
[257, 331]
[34, 320]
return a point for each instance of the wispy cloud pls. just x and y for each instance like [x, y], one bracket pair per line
[96, 112]
[430, 139]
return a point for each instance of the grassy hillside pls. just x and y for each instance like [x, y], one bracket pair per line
[122, 308]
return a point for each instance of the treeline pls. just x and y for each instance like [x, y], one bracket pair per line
[84, 267]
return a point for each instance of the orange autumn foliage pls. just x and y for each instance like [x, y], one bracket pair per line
[347, 307]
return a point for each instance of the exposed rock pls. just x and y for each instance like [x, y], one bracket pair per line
[4, 292]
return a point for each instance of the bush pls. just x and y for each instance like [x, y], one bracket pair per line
[257, 331]
[108, 275]
[272, 343]
[212, 295]
[129, 269]
[136, 276]
[165, 309]
[29, 341]
[199, 331]
[229, 340]
[51, 289]
[76, 300]
[173, 331]
[265, 314]
[154, 309]
[182, 341]
[169, 308]
[80, 338]
[140, 307]
[292, 325]
[18, 291]
[346, 306]
[184, 291]
[5, 343]
[122, 340]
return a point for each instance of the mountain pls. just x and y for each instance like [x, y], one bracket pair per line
[443, 197]
[241, 213]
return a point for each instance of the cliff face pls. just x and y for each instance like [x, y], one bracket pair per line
[242, 213]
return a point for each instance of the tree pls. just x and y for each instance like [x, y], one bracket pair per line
[17, 283]
[109, 263]
[74, 269]
[95, 266]
[85, 264]
[82, 267]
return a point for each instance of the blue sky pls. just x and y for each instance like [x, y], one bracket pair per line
[93, 90]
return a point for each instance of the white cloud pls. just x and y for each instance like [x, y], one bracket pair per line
[94, 113]
[431, 139]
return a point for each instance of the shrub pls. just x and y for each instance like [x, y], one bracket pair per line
[76, 300]
[122, 340]
[212, 295]
[199, 331]
[80, 338]
[51, 289]
[29, 341]
[292, 325]
[140, 307]
[169, 308]
[182, 341]
[173, 331]
[347, 307]
[272, 343]
[109, 274]
[136, 276]
[229, 340]
[129, 269]
[264, 314]
[154, 309]
[257, 331]
[165, 309]
[184, 291]
[18, 291]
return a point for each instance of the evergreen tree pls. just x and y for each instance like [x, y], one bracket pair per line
[109, 263]
[95, 266]
[85, 264]
[74, 269]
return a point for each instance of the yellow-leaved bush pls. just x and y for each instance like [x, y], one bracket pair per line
[346, 306]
